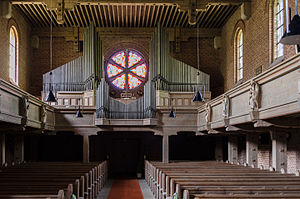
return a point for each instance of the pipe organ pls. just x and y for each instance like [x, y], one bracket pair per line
[171, 74]
[82, 73]
[165, 73]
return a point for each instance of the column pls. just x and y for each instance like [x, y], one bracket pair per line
[19, 149]
[86, 149]
[251, 149]
[219, 148]
[279, 150]
[2, 149]
[165, 149]
[233, 148]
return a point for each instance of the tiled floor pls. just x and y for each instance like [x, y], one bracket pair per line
[144, 187]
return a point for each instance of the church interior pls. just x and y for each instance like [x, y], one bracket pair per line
[191, 98]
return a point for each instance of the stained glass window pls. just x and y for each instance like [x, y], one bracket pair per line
[126, 70]
[279, 29]
[13, 55]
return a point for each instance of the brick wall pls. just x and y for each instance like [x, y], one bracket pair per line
[63, 52]
[209, 60]
[257, 40]
[24, 31]
[264, 156]
[293, 152]
[110, 45]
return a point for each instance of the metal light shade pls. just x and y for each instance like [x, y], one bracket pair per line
[292, 37]
[172, 114]
[198, 97]
[50, 97]
[78, 113]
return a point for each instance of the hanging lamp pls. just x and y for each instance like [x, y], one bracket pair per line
[78, 113]
[292, 34]
[198, 96]
[50, 97]
[172, 113]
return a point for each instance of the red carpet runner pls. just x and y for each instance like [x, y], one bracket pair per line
[125, 189]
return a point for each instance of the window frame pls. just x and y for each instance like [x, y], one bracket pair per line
[115, 91]
[278, 28]
[13, 53]
[239, 55]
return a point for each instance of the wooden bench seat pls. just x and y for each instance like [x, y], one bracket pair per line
[218, 180]
[46, 180]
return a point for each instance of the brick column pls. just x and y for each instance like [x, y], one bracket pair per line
[279, 150]
[219, 148]
[251, 149]
[19, 149]
[86, 149]
[165, 149]
[233, 148]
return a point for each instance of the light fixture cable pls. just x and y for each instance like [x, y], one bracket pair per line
[50, 97]
[198, 96]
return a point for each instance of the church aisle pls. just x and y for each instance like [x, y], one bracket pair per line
[143, 186]
[125, 189]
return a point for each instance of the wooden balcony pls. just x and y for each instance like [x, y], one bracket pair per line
[23, 111]
[66, 99]
[269, 99]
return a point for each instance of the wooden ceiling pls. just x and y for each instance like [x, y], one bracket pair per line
[126, 15]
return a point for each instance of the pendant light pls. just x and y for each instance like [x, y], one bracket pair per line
[172, 113]
[198, 96]
[78, 113]
[292, 34]
[50, 97]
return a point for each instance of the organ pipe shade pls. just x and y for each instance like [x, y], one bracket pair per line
[198, 97]
[293, 36]
[78, 113]
[50, 97]
[172, 113]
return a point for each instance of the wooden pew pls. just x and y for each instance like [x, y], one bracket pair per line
[212, 179]
[45, 179]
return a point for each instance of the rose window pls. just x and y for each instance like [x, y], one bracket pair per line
[126, 70]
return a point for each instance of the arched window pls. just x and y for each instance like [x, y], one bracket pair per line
[126, 72]
[239, 55]
[278, 27]
[13, 55]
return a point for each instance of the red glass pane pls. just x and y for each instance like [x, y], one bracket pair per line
[120, 58]
[113, 70]
[140, 70]
[133, 58]
[133, 82]
[119, 82]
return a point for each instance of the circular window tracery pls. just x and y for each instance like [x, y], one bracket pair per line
[126, 70]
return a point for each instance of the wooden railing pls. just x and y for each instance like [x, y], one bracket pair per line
[66, 99]
[179, 99]
[24, 110]
[271, 94]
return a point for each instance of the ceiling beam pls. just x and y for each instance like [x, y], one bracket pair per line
[68, 33]
[192, 6]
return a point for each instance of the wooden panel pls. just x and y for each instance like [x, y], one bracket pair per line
[9, 103]
[277, 95]
[239, 104]
[280, 91]
[217, 112]
[34, 112]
